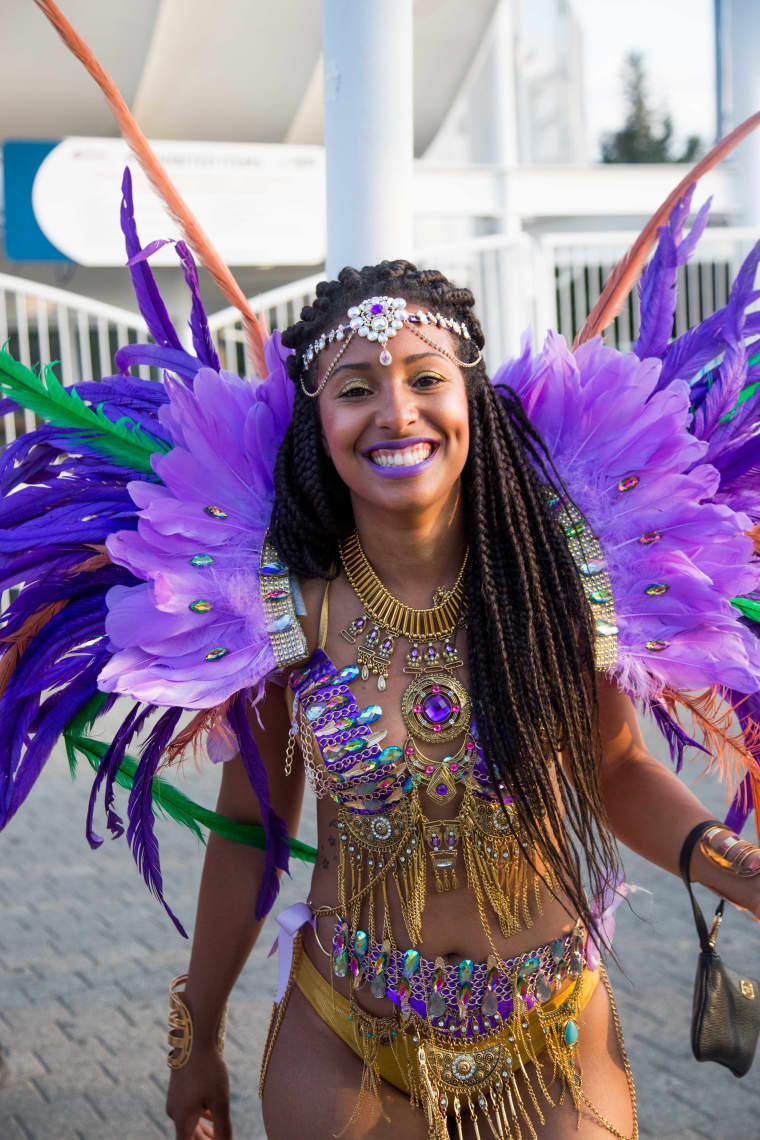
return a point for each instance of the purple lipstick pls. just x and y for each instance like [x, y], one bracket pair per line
[399, 471]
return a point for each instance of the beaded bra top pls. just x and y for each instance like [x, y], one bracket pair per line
[348, 755]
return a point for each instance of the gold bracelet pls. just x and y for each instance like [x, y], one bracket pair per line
[726, 849]
[181, 1033]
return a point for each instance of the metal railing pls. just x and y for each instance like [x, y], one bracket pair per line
[41, 324]
[518, 281]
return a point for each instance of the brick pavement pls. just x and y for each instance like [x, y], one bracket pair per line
[85, 956]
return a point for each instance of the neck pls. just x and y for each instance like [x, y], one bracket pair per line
[413, 554]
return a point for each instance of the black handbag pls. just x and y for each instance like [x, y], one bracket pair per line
[725, 1020]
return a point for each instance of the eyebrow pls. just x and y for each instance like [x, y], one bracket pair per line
[368, 366]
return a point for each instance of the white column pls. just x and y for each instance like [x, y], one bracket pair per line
[368, 131]
[744, 82]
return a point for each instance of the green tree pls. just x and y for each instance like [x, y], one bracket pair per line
[642, 138]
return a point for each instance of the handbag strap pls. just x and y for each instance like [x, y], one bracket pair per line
[706, 937]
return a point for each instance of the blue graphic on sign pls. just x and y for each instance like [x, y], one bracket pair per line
[24, 240]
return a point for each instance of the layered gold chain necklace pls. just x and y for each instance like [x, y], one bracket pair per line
[435, 706]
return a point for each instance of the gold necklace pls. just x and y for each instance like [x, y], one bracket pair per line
[397, 617]
[386, 618]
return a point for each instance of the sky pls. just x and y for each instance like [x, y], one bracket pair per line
[677, 40]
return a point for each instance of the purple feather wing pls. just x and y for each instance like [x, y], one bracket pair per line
[631, 465]
[215, 500]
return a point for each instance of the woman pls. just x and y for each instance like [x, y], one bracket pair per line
[417, 469]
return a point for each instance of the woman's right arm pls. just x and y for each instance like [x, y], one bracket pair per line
[225, 927]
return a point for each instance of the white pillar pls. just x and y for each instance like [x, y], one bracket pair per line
[369, 127]
[744, 81]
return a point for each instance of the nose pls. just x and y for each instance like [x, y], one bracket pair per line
[397, 407]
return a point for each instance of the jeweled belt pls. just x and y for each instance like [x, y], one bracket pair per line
[466, 997]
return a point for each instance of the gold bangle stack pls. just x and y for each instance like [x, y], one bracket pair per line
[726, 849]
[181, 1033]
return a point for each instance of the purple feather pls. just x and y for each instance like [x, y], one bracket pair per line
[115, 748]
[277, 850]
[657, 291]
[113, 819]
[143, 282]
[202, 343]
[722, 396]
[175, 360]
[676, 736]
[40, 747]
[141, 834]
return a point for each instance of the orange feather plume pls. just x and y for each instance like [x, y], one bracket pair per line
[163, 185]
[626, 273]
[201, 725]
[713, 717]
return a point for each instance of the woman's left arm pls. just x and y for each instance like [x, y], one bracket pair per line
[649, 808]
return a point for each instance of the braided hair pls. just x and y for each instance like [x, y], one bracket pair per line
[530, 633]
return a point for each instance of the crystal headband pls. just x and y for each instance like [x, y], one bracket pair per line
[378, 319]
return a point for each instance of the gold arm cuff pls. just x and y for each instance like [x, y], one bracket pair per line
[181, 1033]
[726, 849]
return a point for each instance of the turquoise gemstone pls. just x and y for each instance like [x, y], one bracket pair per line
[411, 963]
[369, 715]
[571, 1033]
[390, 755]
[466, 970]
[201, 560]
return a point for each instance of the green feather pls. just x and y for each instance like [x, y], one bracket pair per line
[748, 607]
[170, 801]
[745, 392]
[124, 441]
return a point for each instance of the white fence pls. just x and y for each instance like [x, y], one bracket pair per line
[41, 324]
[518, 281]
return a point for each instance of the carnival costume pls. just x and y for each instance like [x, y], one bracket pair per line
[135, 538]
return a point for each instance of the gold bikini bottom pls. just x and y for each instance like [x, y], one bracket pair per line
[490, 1077]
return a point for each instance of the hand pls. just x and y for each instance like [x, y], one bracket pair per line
[198, 1100]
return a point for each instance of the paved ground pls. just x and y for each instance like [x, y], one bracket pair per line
[86, 954]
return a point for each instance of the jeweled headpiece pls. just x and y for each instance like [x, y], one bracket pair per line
[379, 319]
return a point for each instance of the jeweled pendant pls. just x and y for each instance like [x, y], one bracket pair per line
[385, 357]
[411, 963]
[490, 1004]
[571, 1032]
[542, 988]
[378, 986]
[436, 1006]
[529, 966]
[381, 682]
[576, 965]
[340, 964]
[441, 787]
[466, 970]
